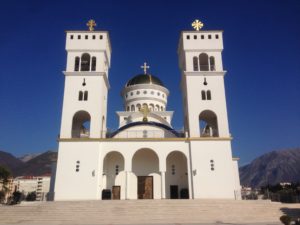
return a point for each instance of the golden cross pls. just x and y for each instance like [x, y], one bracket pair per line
[197, 25]
[145, 67]
[91, 24]
[145, 110]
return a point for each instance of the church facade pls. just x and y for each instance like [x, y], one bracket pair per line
[145, 158]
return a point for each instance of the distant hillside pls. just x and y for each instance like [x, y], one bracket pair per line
[9, 161]
[272, 168]
[27, 157]
[38, 165]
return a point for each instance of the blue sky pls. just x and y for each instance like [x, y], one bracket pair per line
[261, 54]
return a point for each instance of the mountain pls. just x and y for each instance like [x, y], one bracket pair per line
[272, 168]
[9, 161]
[27, 157]
[36, 166]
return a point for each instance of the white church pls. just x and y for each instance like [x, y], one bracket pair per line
[145, 158]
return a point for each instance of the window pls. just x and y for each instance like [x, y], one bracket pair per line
[80, 96]
[162, 108]
[128, 108]
[85, 62]
[79, 36]
[86, 37]
[202, 36]
[132, 108]
[138, 92]
[85, 96]
[212, 165]
[81, 124]
[188, 37]
[212, 63]
[203, 95]
[203, 61]
[93, 63]
[77, 166]
[208, 95]
[173, 169]
[145, 92]
[76, 65]
[100, 37]
[208, 124]
[138, 106]
[209, 36]
[117, 169]
[94, 36]
[158, 93]
[131, 93]
[195, 63]
[217, 36]
[195, 36]
[72, 36]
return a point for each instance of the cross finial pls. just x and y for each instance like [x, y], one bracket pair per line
[197, 25]
[145, 110]
[145, 67]
[91, 24]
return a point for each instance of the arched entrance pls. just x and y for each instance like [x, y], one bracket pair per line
[145, 166]
[113, 176]
[177, 176]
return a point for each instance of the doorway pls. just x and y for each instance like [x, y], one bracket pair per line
[116, 192]
[174, 191]
[145, 187]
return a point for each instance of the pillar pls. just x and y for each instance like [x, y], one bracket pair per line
[163, 184]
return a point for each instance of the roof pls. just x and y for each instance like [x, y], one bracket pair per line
[144, 79]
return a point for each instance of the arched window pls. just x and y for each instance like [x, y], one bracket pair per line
[80, 96]
[145, 105]
[157, 108]
[81, 125]
[195, 63]
[212, 63]
[161, 108]
[128, 108]
[203, 61]
[85, 62]
[203, 95]
[132, 108]
[76, 65]
[93, 63]
[85, 96]
[138, 106]
[208, 124]
[151, 107]
[208, 95]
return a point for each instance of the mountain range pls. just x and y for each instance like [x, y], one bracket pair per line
[271, 168]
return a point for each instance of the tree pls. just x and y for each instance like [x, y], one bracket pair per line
[31, 196]
[4, 176]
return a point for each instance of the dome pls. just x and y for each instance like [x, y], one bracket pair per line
[144, 79]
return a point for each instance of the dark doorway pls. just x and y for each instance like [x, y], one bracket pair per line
[116, 192]
[174, 191]
[145, 187]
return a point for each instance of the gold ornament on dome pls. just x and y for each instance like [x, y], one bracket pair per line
[197, 25]
[145, 111]
[91, 24]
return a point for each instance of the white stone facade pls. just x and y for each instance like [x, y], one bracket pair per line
[145, 157]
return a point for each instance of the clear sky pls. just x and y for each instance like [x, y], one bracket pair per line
[261, 54]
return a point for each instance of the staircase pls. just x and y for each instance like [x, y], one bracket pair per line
[147, 212]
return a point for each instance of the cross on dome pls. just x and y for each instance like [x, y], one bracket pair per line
[91, 24]
[145, 67]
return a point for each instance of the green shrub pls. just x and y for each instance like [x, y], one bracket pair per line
[286, 220]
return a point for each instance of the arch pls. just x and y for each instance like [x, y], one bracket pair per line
[113, 171]
[80, 96]
[195, 63]
[138, 106]
[145, 105]
[157, 108]
[132, 108]
[151, 107]
[85, 62]
[161, 108]
[81, 124]
[203, 95]
[77, 62]
[212, 63]
[203, 61]
[85, 96]
[208, 94]
[176, 175]
[128, 108]
[144, 162]
[93, 63]
[208, 124]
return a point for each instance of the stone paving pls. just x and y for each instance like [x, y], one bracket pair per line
[148, 212]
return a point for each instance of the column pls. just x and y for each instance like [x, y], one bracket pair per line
[163, 184]
[127, 190]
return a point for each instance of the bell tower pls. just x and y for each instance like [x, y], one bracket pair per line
[202, 82]
[86, 83]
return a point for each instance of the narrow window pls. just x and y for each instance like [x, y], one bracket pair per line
[212, 165]
[162, 108]
[202, 36]
[76, 66]
[209, 36]
[203, 95]
[86, 36]
[85, 97]
[77, 166]
[188, 37]
[138, 106]
[85, 62]
[195, 63]
[128, 108]
[94, 36]
[93, 63]
[212, 63]
[173, 169]
[72, 36]
[117, 169]
[132, 108]
[203, 61]
[208, 94]
[79, 36]
[80, 96]
[217, 36]
[101, 37]
[195, 36]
